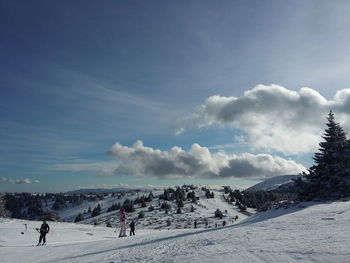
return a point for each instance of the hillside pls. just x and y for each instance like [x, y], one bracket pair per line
[158, 219]
[306, 232]
[273, 183]
[154, 216]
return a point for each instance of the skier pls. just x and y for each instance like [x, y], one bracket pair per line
[224, 223]
[122, 218]
[195, 223]
[132, 228]
[44, 229]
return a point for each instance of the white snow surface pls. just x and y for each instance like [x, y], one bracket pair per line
[273, 183]
[308, 232]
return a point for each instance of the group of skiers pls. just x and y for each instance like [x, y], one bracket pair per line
[45, 228]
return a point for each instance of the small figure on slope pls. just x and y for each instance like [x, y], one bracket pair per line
[44, 229]
[132, 228]
[122, 218]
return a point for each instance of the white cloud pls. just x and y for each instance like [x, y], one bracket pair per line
[16, 181]
[198, 162]
[273, 117]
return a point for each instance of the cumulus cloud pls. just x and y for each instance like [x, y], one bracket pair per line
[273, 117]
[16, 181]
[198, 162]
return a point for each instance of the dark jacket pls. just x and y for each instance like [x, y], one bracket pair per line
[132, 225]
[44, 228]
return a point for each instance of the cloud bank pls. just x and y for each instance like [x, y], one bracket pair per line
[198, 162]
[17, 181]
[273, 117]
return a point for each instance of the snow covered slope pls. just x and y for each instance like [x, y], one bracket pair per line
[272, 183]
[315, 233]
[157, 219]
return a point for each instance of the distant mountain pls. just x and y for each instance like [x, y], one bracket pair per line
[273, 183]
[97, 190]
[108, 190]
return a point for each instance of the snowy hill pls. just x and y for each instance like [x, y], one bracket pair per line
[303, 233]
[154, 216]
[273, 183]
[203, 211]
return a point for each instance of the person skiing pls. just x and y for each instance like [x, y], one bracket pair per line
[132, 228]
[195, 223]
[44, 229]
[122, 218]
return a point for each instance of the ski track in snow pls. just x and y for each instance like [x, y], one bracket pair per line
[313, 232]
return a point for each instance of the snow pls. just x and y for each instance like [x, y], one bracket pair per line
[69, 214]
[157, 219]
[273, 183]
[308, 232]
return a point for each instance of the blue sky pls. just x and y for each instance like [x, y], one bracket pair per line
[79, 76]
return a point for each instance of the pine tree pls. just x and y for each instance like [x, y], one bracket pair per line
[150, 196]
[324, 178]
[345, 171]
[95, 212]
[79, 217]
